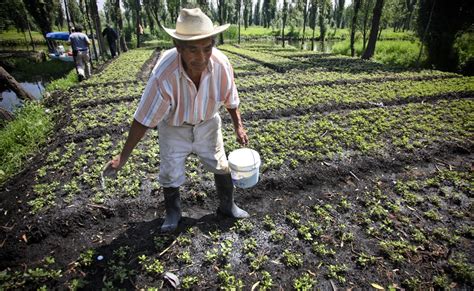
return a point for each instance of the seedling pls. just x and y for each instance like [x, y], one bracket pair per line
[292, 259]
[304, 282]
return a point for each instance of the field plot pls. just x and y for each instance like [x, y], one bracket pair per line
[366, 182]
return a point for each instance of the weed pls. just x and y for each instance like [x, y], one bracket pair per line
[250, 244]
[397, 251]
[461, 268]
[322, 249]
[433, 215]
[337, 272]
[151, 266]
[185, 258]
[183, 241]
[243, 226]
[304, 282]
[268, 222]
[189, 281]
[412, 283]
[365, 260]
[257, 263]
[292, 259]
[266, 282]
[441, 281]
[276, 236]
[215, 235]
[86, 258]
[228, 281]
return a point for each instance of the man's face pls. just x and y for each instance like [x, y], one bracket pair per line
[196, 54]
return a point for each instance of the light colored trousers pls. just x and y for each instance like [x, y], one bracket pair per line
[82, 63]
[177, 142]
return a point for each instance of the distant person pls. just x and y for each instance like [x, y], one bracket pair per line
[112, 37]
[80, 49]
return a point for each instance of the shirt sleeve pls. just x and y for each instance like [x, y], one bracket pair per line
[231, 99]
[154, 104]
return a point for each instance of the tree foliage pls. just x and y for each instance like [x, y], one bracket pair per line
[43, 12]
[439, 23]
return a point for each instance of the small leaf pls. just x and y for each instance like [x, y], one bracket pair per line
[377, 286]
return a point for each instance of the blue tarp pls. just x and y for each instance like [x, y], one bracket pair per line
[58, 35]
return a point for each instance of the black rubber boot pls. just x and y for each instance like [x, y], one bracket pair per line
[225, 191]
[173, 209]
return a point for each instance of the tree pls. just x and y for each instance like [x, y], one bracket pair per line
[324, 6]
[365, 26]
[370, 50]
[439, 23]
[118, 13]
[339, 12]
[354, 25]
[284, 17]
[43, 13]
[305, 16]
[247, 12]
[313, 15]
[268, 12]
[256, 13]
[8, 82]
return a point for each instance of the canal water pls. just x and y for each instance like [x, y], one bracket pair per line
[10, 101]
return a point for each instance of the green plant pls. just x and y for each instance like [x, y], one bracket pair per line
[257, 262]
[185, 258]
[441, 281]
[189, 281]
[86, 258]
[243, 226]
[397, 251]
[292, 259]
[304, 282]
[152, 266]
[337, 272]
[268, 222]
[365, 260]
[461, 268]
[227, 280]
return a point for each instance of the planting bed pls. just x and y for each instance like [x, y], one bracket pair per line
[366, 182]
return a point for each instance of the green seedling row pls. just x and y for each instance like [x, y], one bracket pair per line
[106, 115]
[298, 77]
[125, 68]
[243, 65]
[104, 93]
[320, 95]
[342, 135]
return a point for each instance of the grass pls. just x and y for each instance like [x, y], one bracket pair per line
[401, 53]
[23, 136]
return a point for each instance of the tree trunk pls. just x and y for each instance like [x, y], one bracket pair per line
[89, 23]
[7, 81]
[305, 15]
[353, 25]
[366, 19]
[139, 29]
[123, 44]
[285, 15]
[5, 115]
[220, 11]
[369, 52]
[96, 19]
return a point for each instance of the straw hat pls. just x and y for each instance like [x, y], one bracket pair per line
[193, 24]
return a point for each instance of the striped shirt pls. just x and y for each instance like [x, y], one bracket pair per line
[170, 95]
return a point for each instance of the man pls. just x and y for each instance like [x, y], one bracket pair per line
[188, 85]
[80, 49]
[112, 37]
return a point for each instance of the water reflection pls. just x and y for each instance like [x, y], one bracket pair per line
[10, 101]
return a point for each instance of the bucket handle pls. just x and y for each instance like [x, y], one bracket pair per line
[253, 156]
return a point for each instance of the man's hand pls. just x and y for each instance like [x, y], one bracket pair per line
[242, 137]
[113, 166]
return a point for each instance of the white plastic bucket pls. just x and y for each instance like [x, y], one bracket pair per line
[244, 165]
